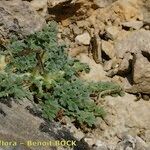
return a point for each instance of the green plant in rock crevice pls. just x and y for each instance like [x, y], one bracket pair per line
[38, 67]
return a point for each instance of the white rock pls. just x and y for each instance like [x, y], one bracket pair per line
[96, 73]
[83, 38]
[133, 24]
[40, 5]
[112, 32]
[102, 3]
[108, 48]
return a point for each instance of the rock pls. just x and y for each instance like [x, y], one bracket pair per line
[146, 137]
[125, 65]
[108, 49]
[108, 65]
[127, 9]
[66, 31]
[66, 22]
[77, 133]
[128, 143]
[73, 52]
[95, 144]
[83, 38]
[112, 32]
[67, 42]
[95, 48]
[100, 124]
[102, 3]
[76, 30]
[146, 12]
[18, 18]
[40, 6]
[125, 117]
[134, 143]
[141, 74]
[53, 3]
[19, 125]
[111, 66]
[22, 122]
[133, 24]
[135, 42]
[140, 144]
[96, 73]
[146, 18]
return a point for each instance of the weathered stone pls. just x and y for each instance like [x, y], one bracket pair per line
[112, 32]
[77, 50]
[126, 116]
[18, 18]
[108, 49]
[128, 143]
[102, 3]
[127, 9]
[124, 66]
[95, 48]
[135, 42]
[21, 126]
[133, 24]
[77, 30]
[22, 123]
[66, 31]
[141, 74]
[66, 22]
[108, 65]
[83, 23]
[95, 144]
[140, 144]
[40, 6]
[96, 73]
[146, 19]
[53, 3]
[83, 38]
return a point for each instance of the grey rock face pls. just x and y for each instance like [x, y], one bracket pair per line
[141, 74]
[135, 42]
[18, 18]
[53, 3]
[132, 143]
[103, 3]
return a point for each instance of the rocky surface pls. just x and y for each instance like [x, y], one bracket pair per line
[18, 18]
[126, 124]
[21, 122]
[113, 38]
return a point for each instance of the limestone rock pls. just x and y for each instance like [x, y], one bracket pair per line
[95, 144]
[124, 66]
[112, 32]
[133, 24]
[141, 144]
[146, 19]
[19, 125]
[141, 74]
[22, 123]
[96, 73]
[108, 49]
[76, 30]
[83, 38]
[102, 3]
[73, 52]
[40, 6]
[126, 116]
[53, 3]
[18, 18]
[135, 42]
